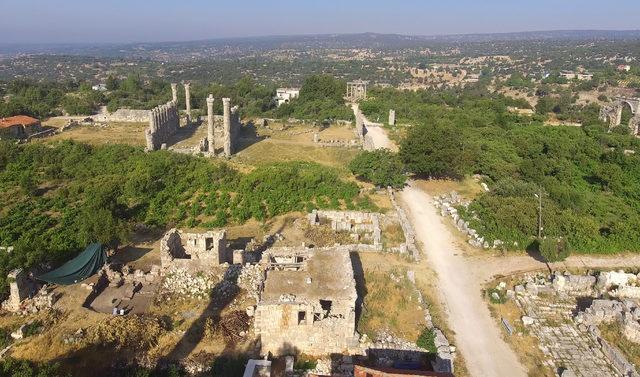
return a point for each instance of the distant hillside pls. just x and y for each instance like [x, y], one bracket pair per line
[328, 41]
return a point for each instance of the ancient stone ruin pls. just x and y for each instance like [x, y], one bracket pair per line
[302, 307]
[194, 251]
[361, 225]
[224, 138]
[563, 311]
[24, 295]
[613, 113]
[187, 95]
[164, 121]
[392, 117]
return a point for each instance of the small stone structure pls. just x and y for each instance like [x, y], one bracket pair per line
[194, 251]
[613, 113]
[392, 117]
[357, 90]
[20, 288]
[164, 121]
[302, 307]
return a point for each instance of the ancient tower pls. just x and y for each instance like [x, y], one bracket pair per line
[210, 137]
[226, 105]
[174, 92]
[187, 95]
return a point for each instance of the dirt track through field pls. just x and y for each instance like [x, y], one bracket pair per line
[477, 334]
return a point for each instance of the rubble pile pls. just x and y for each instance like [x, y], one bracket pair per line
[178, 281]
[251, 279]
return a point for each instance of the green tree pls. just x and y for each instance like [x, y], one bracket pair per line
[436, 150]
[380, 167]
[554, 249]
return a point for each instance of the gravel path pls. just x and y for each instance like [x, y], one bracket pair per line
[477, 336]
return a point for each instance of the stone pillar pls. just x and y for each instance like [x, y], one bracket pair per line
[226, 105]
[18, 289]
[392, 117]
[210, 136]
[187, 98]
[174, 92]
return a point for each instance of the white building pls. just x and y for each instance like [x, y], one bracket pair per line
[284, 95]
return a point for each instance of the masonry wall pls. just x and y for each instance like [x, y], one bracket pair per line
[281, 333]
[124, 115]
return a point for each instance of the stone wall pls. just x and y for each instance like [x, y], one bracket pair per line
[124, 115]
[407, 228]
[304, 309]
[164, 121]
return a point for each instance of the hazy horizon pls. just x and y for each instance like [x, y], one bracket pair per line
[136, 21]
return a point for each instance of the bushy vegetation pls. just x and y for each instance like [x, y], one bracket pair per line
[10, 367]
[427, 339]
[554, 249]
[58, 198]
[380, 167]
[321, 98]
[590, 184]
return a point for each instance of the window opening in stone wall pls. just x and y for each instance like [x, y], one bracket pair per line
[326, 307]
[302, 318]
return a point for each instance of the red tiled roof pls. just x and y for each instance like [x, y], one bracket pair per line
[18, 120]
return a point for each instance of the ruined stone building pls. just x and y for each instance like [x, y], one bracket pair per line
[164, 121]
[363, 226]
[302, 307]
[194, 251]
[612, 113]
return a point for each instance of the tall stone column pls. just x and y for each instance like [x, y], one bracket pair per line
[174, 92]
[226, 105]
[210, 136]
[392, 117]
[187, 95]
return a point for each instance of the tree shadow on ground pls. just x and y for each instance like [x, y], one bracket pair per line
[221, 296]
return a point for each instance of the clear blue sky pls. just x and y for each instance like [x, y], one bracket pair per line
[46, 21]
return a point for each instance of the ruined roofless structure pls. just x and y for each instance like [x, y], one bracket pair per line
[194, 251]
[226, 138]
[308, 301]
[357, 90]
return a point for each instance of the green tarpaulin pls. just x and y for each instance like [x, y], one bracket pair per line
[79, 268]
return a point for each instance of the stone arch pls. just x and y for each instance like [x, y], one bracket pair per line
[612, 113]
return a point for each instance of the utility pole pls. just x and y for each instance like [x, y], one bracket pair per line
[539, 196]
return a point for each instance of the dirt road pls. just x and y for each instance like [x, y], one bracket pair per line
[477, 335]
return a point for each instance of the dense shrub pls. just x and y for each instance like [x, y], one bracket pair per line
[426, 340]
[587, 174]
[554, 249]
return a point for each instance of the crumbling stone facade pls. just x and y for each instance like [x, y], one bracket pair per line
[124, 116]
[302, 307]
[194, 251]
[20, 288]
[164, 121]
[365, 225]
